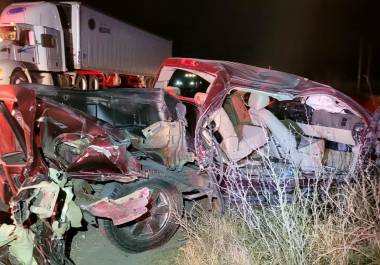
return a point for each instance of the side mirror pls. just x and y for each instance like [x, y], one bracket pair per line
[31, 38]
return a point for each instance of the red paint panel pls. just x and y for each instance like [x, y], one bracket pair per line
[124, 209]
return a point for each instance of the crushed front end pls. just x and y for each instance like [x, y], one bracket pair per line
[53, 161]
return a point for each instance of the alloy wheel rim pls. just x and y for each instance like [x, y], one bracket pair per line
[158, 215]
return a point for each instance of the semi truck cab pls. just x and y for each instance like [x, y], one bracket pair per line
[71, 45]
[31, 41]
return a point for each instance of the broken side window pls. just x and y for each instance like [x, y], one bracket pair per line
[188, 83]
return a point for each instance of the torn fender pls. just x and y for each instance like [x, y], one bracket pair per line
[122, 210]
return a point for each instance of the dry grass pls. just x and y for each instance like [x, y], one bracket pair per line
[214, 240]
[327, 226]
[351, 233]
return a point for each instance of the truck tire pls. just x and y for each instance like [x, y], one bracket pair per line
[18, 77]
[81, 82]
[63, 80]
[152, 229]
[149, 82]
[93, 82]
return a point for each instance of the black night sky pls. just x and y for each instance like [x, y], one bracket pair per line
[318, 39]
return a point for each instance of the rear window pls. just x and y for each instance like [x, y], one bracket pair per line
[188, 83]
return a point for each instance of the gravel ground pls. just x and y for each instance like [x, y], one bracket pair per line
[90, 247]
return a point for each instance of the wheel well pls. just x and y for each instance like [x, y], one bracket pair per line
[18, 69]
[24, 71]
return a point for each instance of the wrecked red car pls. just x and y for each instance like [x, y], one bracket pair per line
[50, 155]
[269, 124]
[206, 119]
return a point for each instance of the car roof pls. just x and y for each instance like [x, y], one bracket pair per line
[243, 75]
[240, 75]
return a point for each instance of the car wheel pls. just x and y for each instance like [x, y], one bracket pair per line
[154, 228]
[18, 77]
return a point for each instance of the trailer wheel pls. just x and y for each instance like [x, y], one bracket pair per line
[63, 80]
[81, 82]
[18, 77]
[93, 82]
[152, 229]
[149, 82]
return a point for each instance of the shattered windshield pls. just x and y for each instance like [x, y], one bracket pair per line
[8, 33]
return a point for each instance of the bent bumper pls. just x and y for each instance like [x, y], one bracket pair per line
[122, 210]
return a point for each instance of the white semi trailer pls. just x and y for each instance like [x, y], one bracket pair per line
[69, 44]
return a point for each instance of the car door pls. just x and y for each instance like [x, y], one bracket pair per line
[13, 153]
[27, 51]
[50, 40]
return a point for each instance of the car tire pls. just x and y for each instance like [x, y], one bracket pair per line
[164, 209]
[81, 82]
[93, 82]
[18, 77]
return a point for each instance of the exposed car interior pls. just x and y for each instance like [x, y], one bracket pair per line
[312, 133]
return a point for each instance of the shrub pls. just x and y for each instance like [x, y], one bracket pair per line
[319, 223]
